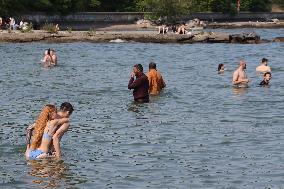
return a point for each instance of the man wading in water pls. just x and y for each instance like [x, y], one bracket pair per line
[240, 77]
[140, 84]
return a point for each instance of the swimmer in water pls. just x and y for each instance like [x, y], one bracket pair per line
[53, 57]
[266, 79]
[240, 77]
[263, 67]
[47, 59]
[48, 131]
[221, 68]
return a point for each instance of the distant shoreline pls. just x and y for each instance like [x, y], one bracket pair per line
[135, 33]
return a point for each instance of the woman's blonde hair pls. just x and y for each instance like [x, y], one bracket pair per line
[44, 116]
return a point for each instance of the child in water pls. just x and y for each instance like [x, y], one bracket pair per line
[47, 59]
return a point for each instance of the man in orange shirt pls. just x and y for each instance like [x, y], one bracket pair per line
[156, 82]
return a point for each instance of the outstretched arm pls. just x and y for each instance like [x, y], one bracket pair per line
[57, 137]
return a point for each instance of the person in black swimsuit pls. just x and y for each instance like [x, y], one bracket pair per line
[266, 79]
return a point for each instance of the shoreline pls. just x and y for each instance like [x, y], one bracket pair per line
[142, 35]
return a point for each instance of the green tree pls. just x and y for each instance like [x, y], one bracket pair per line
[171, 10]
[260, 6]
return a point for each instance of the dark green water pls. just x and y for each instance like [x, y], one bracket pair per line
[199, 133]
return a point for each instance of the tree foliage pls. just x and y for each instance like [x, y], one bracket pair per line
[169, 8]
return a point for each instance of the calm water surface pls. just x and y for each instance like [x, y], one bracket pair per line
[199, 133]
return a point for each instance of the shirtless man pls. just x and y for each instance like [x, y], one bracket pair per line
[263, 67]
[240, 77]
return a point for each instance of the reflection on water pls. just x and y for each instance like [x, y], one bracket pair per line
[48, 173]
[200, 132]
[240, 90]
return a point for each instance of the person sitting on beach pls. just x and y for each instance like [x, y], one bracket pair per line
[174, 28]
[266, 79]
[48, 131]
[47, 59]
[240, 77]
[13, 25]
[156, 82]
[163, 29]
[53, 57]
[263, 67]
[221, 68]
[140, 84]
[56, 28]
[181, 29]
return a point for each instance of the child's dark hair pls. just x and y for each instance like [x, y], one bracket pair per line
[66, 106]
[264, 60]
[267, 73]
[220, 66]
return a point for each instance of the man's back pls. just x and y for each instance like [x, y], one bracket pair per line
[263, 68]
[156, 82]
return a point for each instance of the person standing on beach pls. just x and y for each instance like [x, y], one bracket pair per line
[140, 85]
[263, 67]
[156, 82]
[240, 77]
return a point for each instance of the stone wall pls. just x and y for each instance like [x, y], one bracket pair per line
[87, 20]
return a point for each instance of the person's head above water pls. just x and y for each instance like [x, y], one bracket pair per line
[152, 65]
[221, 67]
[264, 61]
[138, 69]
[267, 76]
[66, 109]
[243, 64]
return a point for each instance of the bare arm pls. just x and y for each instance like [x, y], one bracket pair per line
[236, 78]
[57, 137]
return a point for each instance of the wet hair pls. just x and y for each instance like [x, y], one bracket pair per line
[139, 67]
[267, 73]
[66, 106]
[44, 116]
[48, 51]
[152, 65]
[264, 60]
[220, 66]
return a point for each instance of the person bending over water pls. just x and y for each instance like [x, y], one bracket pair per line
[266, 79]
[140, 84]
[48, 130]
[240, 77]
[263, 67]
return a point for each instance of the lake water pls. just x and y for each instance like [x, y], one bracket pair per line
[199, 133]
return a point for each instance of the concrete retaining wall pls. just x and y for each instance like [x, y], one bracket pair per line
[124, 17]
[87, 20]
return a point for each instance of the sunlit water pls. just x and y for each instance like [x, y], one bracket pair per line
[199, 133]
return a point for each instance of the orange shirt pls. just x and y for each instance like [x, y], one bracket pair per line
[156, 82]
